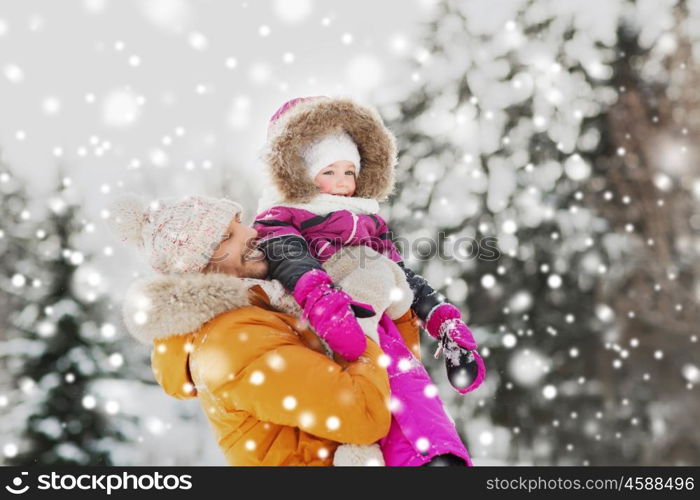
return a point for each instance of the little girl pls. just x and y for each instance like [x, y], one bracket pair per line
[331, 161]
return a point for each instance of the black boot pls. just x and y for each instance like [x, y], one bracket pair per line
[447, 460]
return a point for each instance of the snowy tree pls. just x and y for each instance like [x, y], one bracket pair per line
[16, 291]
[565, 131]
[61, 345]
[13, 235]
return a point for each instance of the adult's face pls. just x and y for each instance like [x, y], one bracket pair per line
[237, 253]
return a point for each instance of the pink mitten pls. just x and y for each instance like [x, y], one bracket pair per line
[332, 313]
[446, 319]
[465, 368]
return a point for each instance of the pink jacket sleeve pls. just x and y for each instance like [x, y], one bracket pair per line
[384, 240]
[285, 249]
[277, 221]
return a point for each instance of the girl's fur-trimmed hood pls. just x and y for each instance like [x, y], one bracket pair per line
[312, 119]
[168, 304]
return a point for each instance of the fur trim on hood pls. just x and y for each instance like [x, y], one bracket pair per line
[310, 120]
[168, 304]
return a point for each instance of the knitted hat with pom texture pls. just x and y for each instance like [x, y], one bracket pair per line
[175, 235]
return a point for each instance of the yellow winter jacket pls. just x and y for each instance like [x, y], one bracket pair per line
[269, 388]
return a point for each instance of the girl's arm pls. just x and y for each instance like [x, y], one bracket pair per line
[443, 321]
[425, 297]
[331, 312]
[383, 242]
[284, 247]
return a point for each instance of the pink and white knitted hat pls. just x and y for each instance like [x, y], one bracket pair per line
[175, 235]
[275, 118]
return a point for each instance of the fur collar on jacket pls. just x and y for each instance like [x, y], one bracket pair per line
[310, 120]
[321, 204]
[168, 304]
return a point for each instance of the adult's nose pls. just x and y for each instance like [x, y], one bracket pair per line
[252, 237]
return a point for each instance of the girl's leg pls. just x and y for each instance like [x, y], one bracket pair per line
[416, 417]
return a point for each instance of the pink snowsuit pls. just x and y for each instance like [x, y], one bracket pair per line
[420, 427]
[296, 125]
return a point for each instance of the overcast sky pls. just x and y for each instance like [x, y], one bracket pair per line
[153, 95]
[172, 97]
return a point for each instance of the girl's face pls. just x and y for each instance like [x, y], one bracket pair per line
[337, 178]
[236, 253]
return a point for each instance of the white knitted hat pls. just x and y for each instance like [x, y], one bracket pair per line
[176, 235]
[336, 146]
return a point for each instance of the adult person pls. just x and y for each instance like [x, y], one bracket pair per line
[221, 333]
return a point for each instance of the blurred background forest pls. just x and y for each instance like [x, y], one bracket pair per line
[568, 130]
